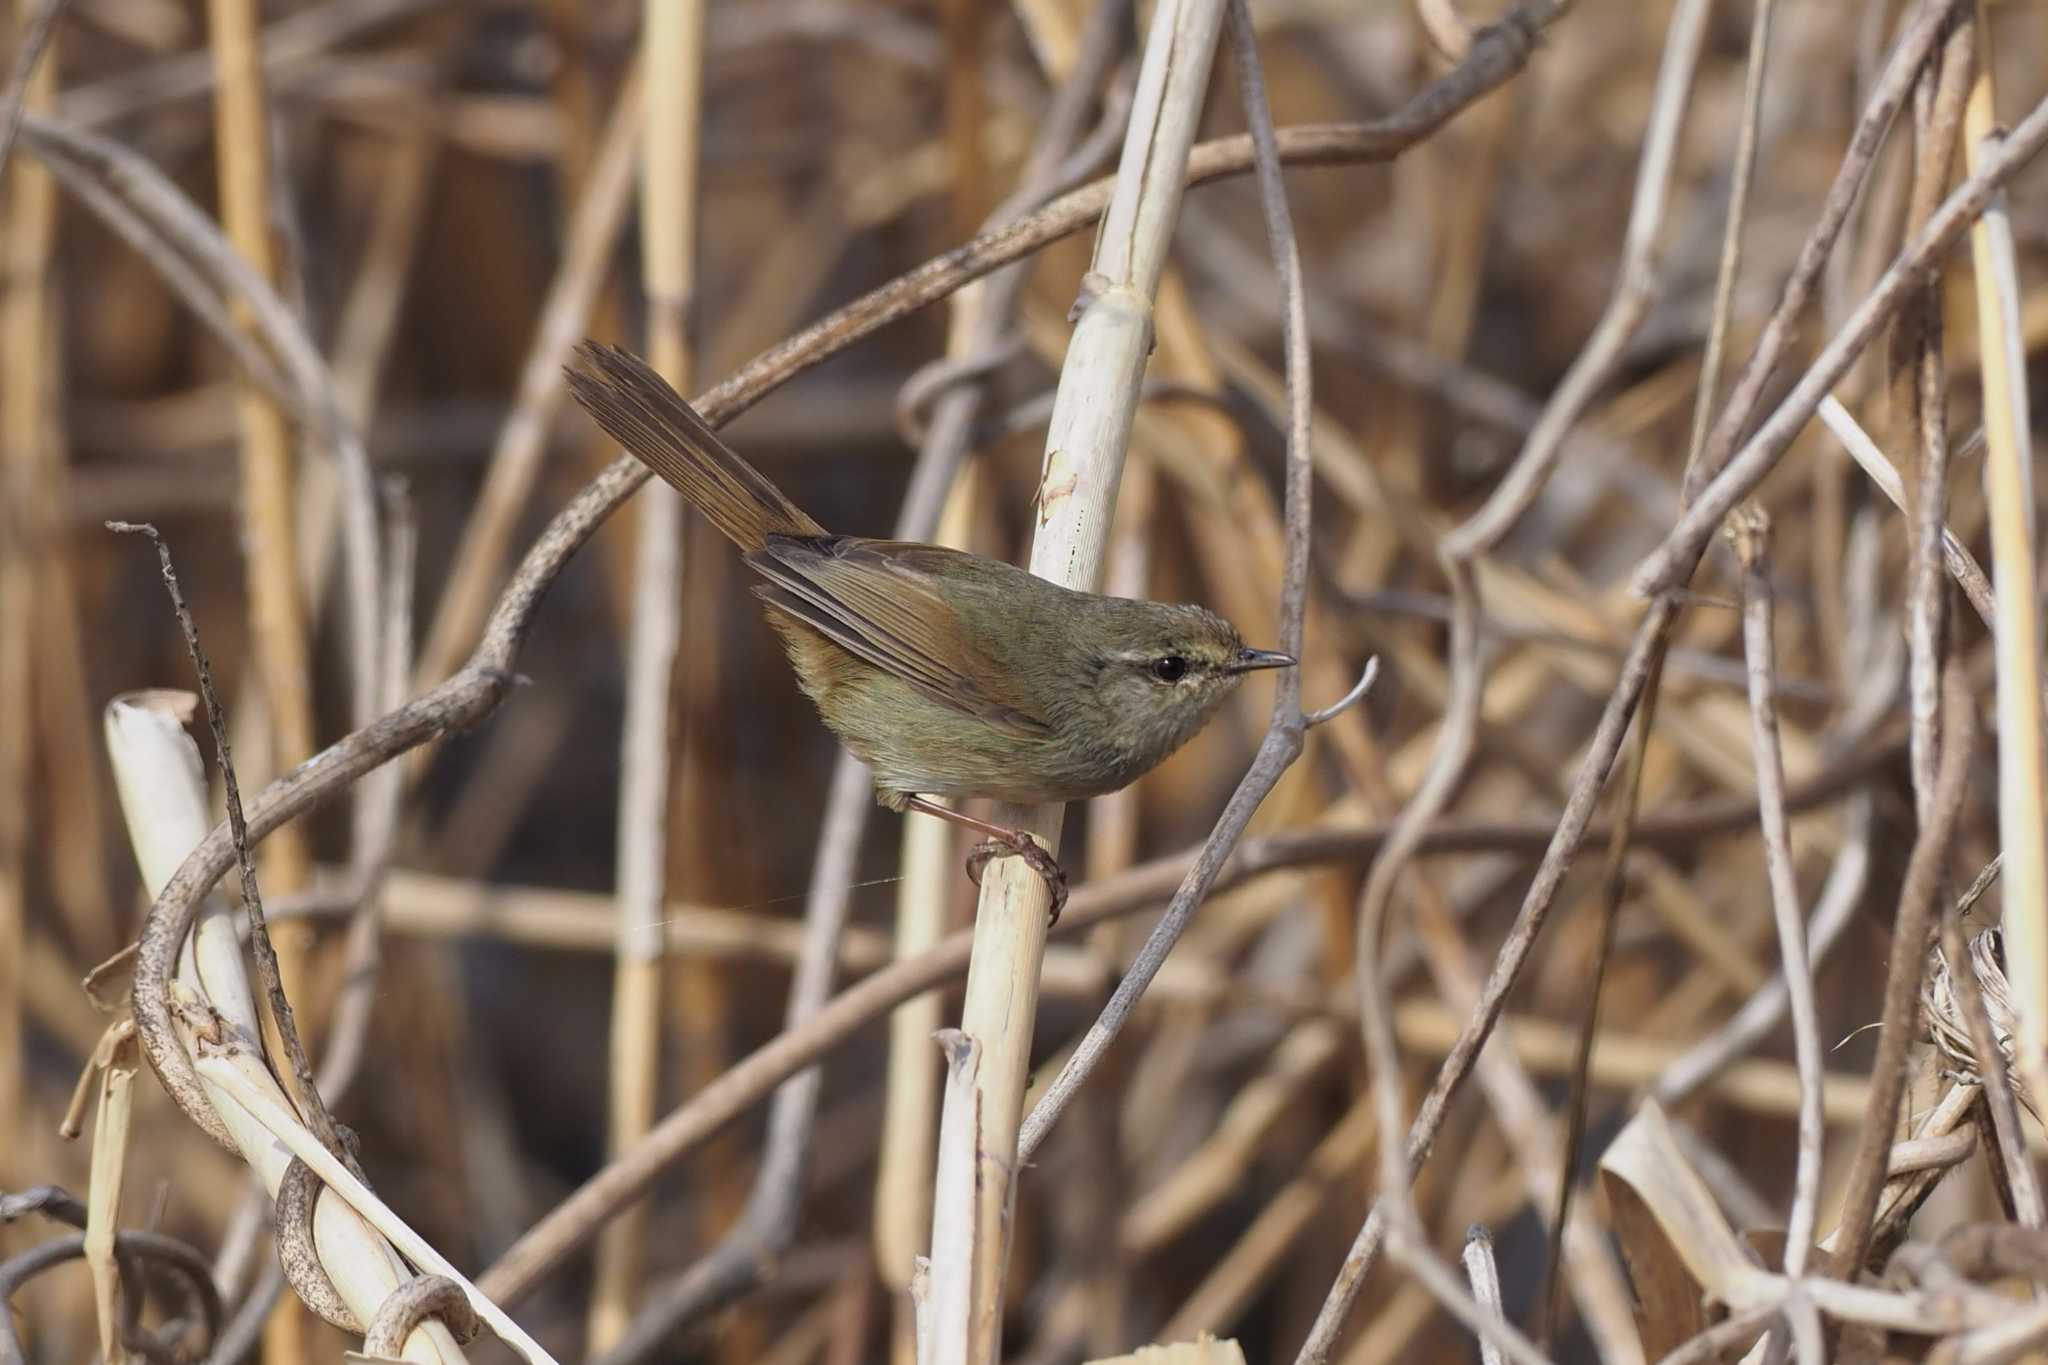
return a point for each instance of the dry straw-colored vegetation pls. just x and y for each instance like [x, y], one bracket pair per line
[1653, 964]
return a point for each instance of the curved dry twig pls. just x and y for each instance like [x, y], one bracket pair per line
[131, 1248]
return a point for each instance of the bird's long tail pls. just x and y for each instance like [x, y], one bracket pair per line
[651, 420]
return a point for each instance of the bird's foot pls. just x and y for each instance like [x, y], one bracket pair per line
[1019, 845]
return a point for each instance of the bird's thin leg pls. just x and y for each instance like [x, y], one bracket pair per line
[1001, 843]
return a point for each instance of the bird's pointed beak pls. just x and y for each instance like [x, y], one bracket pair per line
[1249, 659]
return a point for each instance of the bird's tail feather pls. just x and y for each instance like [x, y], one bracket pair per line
[640, 411]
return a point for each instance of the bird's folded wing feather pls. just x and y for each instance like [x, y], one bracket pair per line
[875, 599]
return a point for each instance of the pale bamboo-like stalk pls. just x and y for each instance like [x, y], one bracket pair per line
[2009, 499]
[24, 317]
[943, 1327]
[930, 867]
[1091, 423]
[162, 786]
[276, 613]
[672, 52]
[1079, 57]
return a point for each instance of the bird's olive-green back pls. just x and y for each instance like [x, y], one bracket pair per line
[1052, 694]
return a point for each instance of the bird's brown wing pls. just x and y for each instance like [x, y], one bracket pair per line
[878, 600]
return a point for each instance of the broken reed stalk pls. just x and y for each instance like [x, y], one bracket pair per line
[161, 782]
[296, 1068]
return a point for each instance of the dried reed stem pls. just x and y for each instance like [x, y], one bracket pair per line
[277, 616]
[2009, 497]
[1753, 550]
[117, 1064]
[1919, 400]
[25, 385]
[1090, 429]
[672, 53]
[1283, 740]
[904, 1171]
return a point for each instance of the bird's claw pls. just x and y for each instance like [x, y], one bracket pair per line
[1035, 857]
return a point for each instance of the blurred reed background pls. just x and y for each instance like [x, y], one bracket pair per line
[446, 194]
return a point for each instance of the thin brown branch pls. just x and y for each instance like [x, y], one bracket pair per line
[32, 40]
[1920, 392]
[1741, 178]
[279, 1008]
[1752, 549]
[1613, 885]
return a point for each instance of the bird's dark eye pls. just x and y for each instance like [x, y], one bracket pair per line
[1170, 669]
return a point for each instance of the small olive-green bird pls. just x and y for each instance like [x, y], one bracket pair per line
[949, 674]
